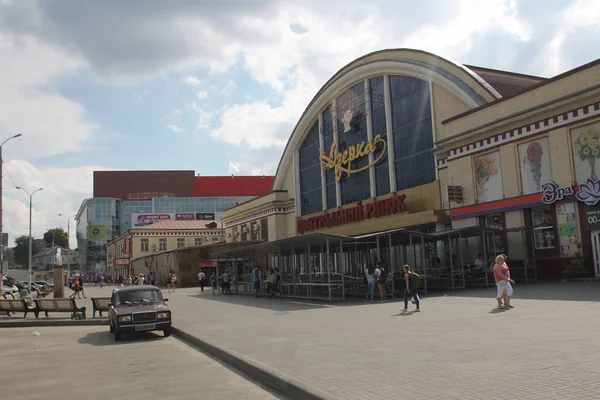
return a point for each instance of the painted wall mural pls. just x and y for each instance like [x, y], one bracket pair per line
[586, 151]
[488, 177]
[534, 160]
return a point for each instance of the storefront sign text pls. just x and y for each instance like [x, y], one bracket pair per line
[552, 193]
[360, 212]
[592, 217]
[342, 161]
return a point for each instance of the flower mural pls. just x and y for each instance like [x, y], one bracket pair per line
[535, 165]
[586, 149]
[589, 192]
[488, 179]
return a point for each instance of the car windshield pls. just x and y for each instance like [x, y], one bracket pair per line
[136, 297]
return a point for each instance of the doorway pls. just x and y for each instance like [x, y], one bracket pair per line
[596, 250]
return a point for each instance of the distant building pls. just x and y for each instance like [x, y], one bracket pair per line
[45, 259]
[125, 200]
[158, 238]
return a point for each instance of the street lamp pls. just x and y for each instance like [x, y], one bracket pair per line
[68, 239]
[1, 234]
[30, 238]
[68, 228]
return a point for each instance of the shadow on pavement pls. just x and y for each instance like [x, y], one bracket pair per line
[557, 291]
[104, 338]
[274, 304]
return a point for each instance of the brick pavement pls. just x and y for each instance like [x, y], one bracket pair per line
[457, 348]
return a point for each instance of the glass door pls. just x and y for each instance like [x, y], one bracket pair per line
[596, 250]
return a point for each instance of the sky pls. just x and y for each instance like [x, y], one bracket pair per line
[217, 86]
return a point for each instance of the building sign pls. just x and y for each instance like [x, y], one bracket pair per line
[121, 262]
[592, 217]
[589, 192]
[552, 193]
[342, 162]
[139, 196]
[97, 232]
[205, 216]
[455, 193]
[360, 212]
[185, 216]
[147, 219]
[127, 246]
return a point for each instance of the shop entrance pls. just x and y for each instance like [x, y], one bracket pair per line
[596, 251]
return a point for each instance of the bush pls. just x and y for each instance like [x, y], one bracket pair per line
[577, 267]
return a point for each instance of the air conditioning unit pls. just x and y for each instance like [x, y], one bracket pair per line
[244, 229]
[154, 249]
[255, 227]
[229, 235]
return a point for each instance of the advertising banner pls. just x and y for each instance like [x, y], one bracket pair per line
[127, 246]
[185, 216]
[121, 262]
[205, 216]
[97, 232]
[147, 219]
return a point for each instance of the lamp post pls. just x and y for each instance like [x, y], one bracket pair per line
[1, 234]
[30, 238]
[68, 239]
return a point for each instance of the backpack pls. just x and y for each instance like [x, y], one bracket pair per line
[415, 280]
[383, 275]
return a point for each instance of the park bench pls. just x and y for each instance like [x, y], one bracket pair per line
[15, 305]
[58, 305]
[99, 304]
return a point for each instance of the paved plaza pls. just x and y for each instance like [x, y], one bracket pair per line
[458, 347]
[86, 363]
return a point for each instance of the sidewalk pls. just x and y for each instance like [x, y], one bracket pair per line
[458, 345]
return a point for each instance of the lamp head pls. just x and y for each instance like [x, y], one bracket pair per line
[17, 135]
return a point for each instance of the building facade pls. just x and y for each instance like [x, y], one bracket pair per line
[45, 259]
[405, 157]
[528, 166]
[134, 199]
[158, 238]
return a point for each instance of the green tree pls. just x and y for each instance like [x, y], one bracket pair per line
[21, 250]
[9, 256]
[59, 236]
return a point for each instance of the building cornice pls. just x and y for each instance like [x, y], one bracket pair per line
[262, 214]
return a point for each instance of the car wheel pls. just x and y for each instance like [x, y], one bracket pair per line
[118, 336]
[167, 332]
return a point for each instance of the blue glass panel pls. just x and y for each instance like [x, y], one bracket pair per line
[377, 96]
[310, 172]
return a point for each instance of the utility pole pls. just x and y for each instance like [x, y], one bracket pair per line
[30, 237]
[1, 225]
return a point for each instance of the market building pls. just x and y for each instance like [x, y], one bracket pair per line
[157, 238]
[405, 157]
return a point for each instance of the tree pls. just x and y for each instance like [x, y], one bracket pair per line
[60, 238]
[9, 256]
[21, 250]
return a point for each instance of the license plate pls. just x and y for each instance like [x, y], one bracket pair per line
[147, 327]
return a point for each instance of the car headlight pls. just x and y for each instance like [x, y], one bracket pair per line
[125, 318]
[163, 315]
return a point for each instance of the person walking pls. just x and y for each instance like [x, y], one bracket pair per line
[411, 287]
[201, 278]
[256, 280]
[381, 277]
[371, 282]
[503, 282]
[76, 289]
[169, 282]
[213, 283]
[226, 277]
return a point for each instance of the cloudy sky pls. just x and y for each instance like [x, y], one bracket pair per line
[217, 85]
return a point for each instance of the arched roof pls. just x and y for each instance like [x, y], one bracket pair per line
[456, 78]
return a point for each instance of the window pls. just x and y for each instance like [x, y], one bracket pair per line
[496, 221]
[413, 132]
[180, 243]
[330, 173]
[310, 172]
[377, 98]
[543, 227]
[197, 242]
[264, 229]
[162, 244]
[144, 245]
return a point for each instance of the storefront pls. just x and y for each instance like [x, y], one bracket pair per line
[528, 165]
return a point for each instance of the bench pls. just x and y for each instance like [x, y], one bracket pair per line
[99, 304]
[13, 305]
[58, 305]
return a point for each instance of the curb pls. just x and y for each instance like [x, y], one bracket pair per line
[259, 373]
[25, 323]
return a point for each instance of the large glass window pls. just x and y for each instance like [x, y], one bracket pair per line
[413, 132]
[543, 227]
[377, 98]
[330, 173]
[310, 173]
[352, 130]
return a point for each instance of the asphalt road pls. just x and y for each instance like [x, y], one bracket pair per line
[86, 363]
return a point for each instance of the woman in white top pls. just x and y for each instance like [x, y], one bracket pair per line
[370, 275]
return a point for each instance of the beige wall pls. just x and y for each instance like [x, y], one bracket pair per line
[446, 105]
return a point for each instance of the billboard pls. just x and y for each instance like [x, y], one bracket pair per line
[97, 232]
[143, 185]
[138, 220]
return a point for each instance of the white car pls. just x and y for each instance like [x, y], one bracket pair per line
[8, 288]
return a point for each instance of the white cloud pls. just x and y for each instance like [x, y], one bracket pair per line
[174, 128]
[191, 81]
[202, 94]
[64, 190]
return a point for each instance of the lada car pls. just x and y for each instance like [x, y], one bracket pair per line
[138, 309]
